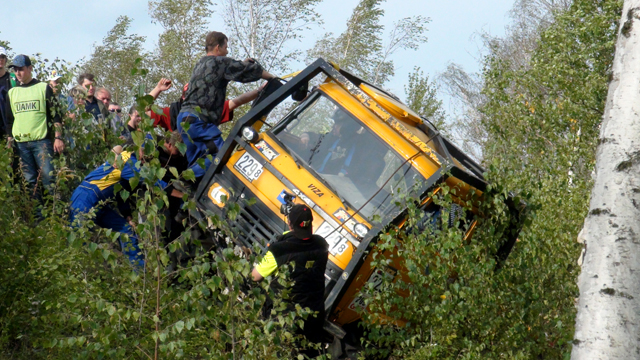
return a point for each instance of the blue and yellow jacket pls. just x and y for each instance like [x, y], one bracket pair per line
[99, 185]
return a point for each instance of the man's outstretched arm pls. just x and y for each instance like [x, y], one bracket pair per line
[243, 99]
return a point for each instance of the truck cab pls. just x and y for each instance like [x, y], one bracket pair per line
[351, 152]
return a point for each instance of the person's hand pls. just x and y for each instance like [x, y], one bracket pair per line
[250, 60]
[131, 222]
[58, 146]
[9, 142]
[164, 84]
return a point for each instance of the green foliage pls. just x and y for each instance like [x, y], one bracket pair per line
[422, 98]
[454, 301]
[181, 43]
[542, 122]
[5, 44]
[361, 50]
[112, 61]
[68, 292]
[264, 30]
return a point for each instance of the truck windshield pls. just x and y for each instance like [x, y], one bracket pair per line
[349, 157]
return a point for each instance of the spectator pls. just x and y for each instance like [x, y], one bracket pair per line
[162, 120]
[5, 86]
[204, 104]
[132, 124]
[77, 97]
[6, 83]
[99, 187]
[170, 113]
[116, 117]
[91, 104]
[104, 96]
[31, 123]
[54, 81]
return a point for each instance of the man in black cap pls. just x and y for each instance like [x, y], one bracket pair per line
[307, 254]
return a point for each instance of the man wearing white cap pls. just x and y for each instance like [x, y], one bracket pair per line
[54, 81]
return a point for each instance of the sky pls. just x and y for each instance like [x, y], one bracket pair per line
[69, 29]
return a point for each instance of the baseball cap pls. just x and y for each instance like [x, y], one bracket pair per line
[301, 218]
[54, 75]
[20, 61]
[3, 51]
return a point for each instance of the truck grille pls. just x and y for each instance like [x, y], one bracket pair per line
[252, 229]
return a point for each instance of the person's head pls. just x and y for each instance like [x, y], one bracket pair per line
[3, 58]
[115, 108]
[300, 221]
[87, 80]
[22, 68]
[103, 95]
[134, 117]
[170, 143]
[55, 81]
[78, 93]
[216, 44]
[344, 125]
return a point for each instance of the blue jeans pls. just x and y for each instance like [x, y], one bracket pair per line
[35, 162]
[201, 139]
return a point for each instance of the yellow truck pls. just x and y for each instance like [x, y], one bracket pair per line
[350, 151]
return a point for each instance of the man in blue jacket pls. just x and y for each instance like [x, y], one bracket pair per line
[98, 188]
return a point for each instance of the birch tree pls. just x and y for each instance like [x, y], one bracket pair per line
[181, 44]
[361, 49]
[608, 320]
[113, 60]
[265, 30]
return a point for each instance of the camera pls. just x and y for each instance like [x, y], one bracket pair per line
[288, 203]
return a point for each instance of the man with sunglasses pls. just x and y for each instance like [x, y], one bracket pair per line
[115, 114]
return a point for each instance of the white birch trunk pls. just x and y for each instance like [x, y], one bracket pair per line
[608, 320]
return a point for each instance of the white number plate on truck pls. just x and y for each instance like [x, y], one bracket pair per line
[337, 243]
[249, 167]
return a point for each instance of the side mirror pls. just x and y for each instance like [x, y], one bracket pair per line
[301, 93]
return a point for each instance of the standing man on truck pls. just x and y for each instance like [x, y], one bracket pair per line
[308, 255]
[204, 104]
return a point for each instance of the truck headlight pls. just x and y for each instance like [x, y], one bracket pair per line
[361, 230]
[250, 134]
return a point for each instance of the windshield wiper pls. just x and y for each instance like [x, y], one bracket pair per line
[315, 148]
